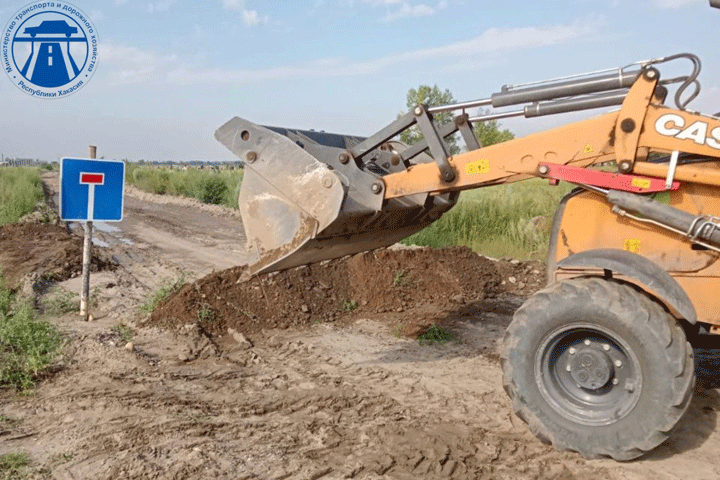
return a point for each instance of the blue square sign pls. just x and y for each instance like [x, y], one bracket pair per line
[91, 190]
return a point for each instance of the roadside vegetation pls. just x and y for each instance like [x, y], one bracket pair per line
[157, 297]
[502, 221]
[28, 345]
[218, 187]
[13, 465]
[20, 191]
[435, 334]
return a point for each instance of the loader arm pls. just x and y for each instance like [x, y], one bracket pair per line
[306, 198]
[612, 136]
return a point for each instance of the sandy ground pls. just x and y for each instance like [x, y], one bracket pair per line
[330, 400]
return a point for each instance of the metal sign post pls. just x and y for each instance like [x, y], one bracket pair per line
[90, 190]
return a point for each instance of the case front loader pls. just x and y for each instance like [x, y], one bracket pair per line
[599, 362]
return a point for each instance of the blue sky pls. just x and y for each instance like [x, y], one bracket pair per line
[172, 71]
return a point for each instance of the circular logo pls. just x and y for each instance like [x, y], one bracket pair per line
[49, 49]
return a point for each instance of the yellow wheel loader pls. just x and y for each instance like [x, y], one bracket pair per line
[599, 362]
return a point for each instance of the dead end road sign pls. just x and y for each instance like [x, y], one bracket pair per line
[91, 190]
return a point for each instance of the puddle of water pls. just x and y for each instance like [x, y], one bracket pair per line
[113, 230]
[106, 227]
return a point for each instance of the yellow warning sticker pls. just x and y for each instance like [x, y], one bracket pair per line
[632, 245]
[588, 148]
[477, 167]
[641, 182]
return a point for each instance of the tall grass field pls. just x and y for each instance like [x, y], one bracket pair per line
[510, 220]
[219, 187]
[20, 190]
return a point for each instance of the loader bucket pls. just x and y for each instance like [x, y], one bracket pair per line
[300, 203]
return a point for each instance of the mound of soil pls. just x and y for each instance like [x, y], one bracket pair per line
[45, 249]
[380, 281]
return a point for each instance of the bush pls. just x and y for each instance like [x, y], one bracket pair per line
[214, 190]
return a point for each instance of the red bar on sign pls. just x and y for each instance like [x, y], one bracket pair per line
[92, 178]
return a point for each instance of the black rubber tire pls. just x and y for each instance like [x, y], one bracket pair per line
[659, 358]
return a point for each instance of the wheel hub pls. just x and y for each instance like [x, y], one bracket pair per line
[590, 368]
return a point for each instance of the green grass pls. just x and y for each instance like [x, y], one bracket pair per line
[349, 305]
[435, 334]
[123, 331]
[157, 297]
[206, 313]
[502, 221]
[28, 346]
[402, 279]
[220, 187]
[12, 466]
[61, 302]
[20, 191]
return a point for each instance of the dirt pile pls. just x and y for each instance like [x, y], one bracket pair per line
[421, 280]
[44, 249]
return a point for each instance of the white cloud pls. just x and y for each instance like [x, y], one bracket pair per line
[233, 4]
[251, 18]
[676, 4]
[397, 9]
[161, 6]
[97, 15]
[407, 10]
[133, 65]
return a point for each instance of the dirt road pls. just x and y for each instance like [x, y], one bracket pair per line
[323, 399]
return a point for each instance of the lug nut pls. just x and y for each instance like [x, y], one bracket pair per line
[568, 367]
[615, 381]
[572, 350]
[586, 342]
[618, 363]
[606, 347]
